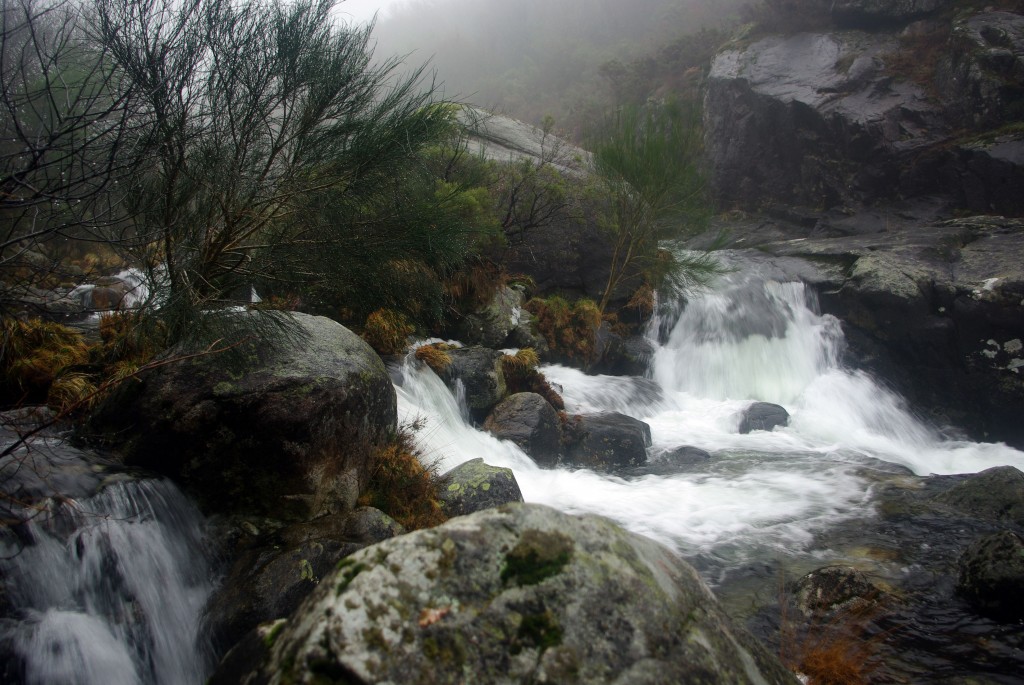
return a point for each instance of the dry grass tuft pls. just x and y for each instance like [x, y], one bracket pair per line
[435, 356]
[36, 353]
[570, 330]
[387, 330]
[521, 375]
[402, 486]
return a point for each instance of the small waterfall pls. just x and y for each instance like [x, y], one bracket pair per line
[109, 588]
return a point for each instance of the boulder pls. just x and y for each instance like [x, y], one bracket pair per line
[763, 416]
[475, 486]
[995, 494]
[528, 420]
[275, 572]
[619, 355]
[286, 431]
[833, 587]
[520, 594]
[608, 441]
[991, 576]
[491, 325]
[685, 456]
[479, 371]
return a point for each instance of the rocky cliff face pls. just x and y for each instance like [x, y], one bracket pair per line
[846, 117]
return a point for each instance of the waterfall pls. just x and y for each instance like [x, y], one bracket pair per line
[109, 588]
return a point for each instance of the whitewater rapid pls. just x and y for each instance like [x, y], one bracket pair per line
[749, 339]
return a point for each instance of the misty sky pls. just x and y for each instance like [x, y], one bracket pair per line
[362, 10]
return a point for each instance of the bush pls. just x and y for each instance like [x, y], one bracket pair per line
[386, 331]
[35, 354]
[570, 330]
[402, 486]
[521, 375]
[435, 356]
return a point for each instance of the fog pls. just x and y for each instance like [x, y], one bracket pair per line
[532, 58]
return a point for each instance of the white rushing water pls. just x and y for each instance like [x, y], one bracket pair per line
[111, 589]
[750, 339]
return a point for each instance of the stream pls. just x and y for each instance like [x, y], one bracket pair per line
[108, 584]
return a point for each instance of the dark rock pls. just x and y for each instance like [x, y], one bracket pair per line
[491, 325]
[875, 13]
[528, 420]
[369, 526]
[686, 455]
[763, 416]
[621, 356]
[992, 576]
[475, 486]
[996, 494]
[833, 587]
[254, 648]
[608, 441]
[288, 433]
[520, 594]
[269, 580]
[479, 371]
[525, 335]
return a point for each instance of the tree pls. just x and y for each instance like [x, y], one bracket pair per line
[649, 159]
[250, 113]
[62, 122]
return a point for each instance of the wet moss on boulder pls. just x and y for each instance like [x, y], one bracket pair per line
[474, 486]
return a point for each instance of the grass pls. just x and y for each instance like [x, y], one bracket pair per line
[569, 329]
[401, 485]
[435, 356]
[521, 375]
[386, 331]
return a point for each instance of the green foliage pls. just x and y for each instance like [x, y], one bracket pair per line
[650, 160]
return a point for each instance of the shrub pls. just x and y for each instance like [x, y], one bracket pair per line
[402, 486]
[386, 331]
[570, 330]
[34, 354]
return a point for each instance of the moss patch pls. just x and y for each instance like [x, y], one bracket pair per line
[349, 570]
[538, 556]
[538, 631]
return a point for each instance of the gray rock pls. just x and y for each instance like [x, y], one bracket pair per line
[621, 356]
[475, 486]
[520, 594]
[479, 370]
[992, 576]
[686, 455]
[491, 325]
[871, 13]
[608, 441]
[287, 434]
[763, 416]
[528, 420]
[996, 494]
[369, 526]
[504, 139]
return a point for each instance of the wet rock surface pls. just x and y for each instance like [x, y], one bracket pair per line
[606, 441]
[528, 420]
[478, 369]
[992, 575]
[518, 594]
[287, 433]
[474, 486]
[763, 416]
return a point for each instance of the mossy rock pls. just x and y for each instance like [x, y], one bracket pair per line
[474, 486]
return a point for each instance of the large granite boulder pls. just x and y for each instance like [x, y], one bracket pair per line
[478, 370]
[528, 420]
[607, 441]
[286, 432]
[848, 118]
[474, 486]
[519, 594]
[995, 494]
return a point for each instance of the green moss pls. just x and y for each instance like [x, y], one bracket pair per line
[271, 635]
[349, 570]
[538, 631]
[538, 556]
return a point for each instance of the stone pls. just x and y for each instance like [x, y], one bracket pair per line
[621, 355]
[528, 420]
[874, 13]
[491, 325]
[833, 587]
[479, 371]
[474, 486]
[991, 576]
[763, 416]
[686, 455]
[995, 494]
[287, 432]
[519, 594]
[608, 441]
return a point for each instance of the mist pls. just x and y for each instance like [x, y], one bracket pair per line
[569, 59]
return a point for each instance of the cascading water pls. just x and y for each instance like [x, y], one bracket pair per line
[754, 337]
[108, 587]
